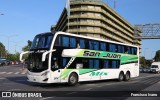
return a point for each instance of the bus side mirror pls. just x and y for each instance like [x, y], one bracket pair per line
[45, 53]
[21, 55]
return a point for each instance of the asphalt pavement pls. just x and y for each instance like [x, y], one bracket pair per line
[13, 79]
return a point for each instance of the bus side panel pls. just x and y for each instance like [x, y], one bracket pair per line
[55, 76]
[65, 74]
[109, 74]
[132, 68]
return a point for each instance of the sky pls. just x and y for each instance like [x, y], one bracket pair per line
[23, 19]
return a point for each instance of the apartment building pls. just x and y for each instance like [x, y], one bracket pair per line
[95, 18]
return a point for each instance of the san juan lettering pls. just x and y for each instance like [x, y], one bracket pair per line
[91, 54]
[117, 56]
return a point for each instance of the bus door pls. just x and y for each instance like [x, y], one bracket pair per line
[55, 68]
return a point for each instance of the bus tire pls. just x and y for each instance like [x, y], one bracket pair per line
[121, 76]
[73, 79]
[127, 76]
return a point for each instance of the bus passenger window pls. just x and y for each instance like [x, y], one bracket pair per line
[72, 42]
[105, 64]
[96, 64]
[85, 63]
[115, 64]
[58, 41]
[129, 50]
[90, 63]
[123, 50]
[134, 51]
[65, 41]
[96, 45]
[82, 43]
[64, 62]
[91, 45]
[119, 49]
[112, 48]
[126, 49]
[103, 46]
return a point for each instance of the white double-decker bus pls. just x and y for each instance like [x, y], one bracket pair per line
[63, 57]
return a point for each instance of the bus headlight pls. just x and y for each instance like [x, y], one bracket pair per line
[45, 73]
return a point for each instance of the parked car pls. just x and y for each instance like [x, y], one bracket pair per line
[2, 63]
[140, 70]
[145, 70]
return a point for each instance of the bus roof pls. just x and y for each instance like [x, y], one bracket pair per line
[87, 37]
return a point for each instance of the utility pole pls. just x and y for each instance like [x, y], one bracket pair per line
[114, 4]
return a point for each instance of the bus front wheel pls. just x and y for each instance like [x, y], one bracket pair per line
[73, 79]
[121, 76]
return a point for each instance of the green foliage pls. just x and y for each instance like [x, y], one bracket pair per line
[144, 62]
[13, 57]
[3, 51]
[157, 56]
[27, 47]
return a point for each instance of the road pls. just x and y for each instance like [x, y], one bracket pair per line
[13, 78]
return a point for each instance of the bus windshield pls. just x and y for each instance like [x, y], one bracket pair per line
[42, 42]
[35, 64]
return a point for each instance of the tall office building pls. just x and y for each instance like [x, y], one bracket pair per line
[95, 18]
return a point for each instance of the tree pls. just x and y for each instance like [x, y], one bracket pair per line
[157, 56]
[27, 47]
[142, 61]
[13, 57]
[2, 51]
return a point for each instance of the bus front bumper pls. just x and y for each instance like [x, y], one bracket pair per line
[38, 79]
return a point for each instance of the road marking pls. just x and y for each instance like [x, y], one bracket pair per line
[9, 72]
[17, 73]
[88, 89]
[2, 72]
[23, 73]
[13, 89]
[47, 98]
[72, 93]
[13, 73]
[90, 84]
[2, 78]
[99, 86]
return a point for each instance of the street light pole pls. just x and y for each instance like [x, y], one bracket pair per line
[16, 44]
[152, 54]
[9, 40]
[145, 51]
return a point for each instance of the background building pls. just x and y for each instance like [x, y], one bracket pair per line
[95, 18]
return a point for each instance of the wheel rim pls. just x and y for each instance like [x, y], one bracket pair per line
[72, 79]
[127, 76]
[121, 77]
